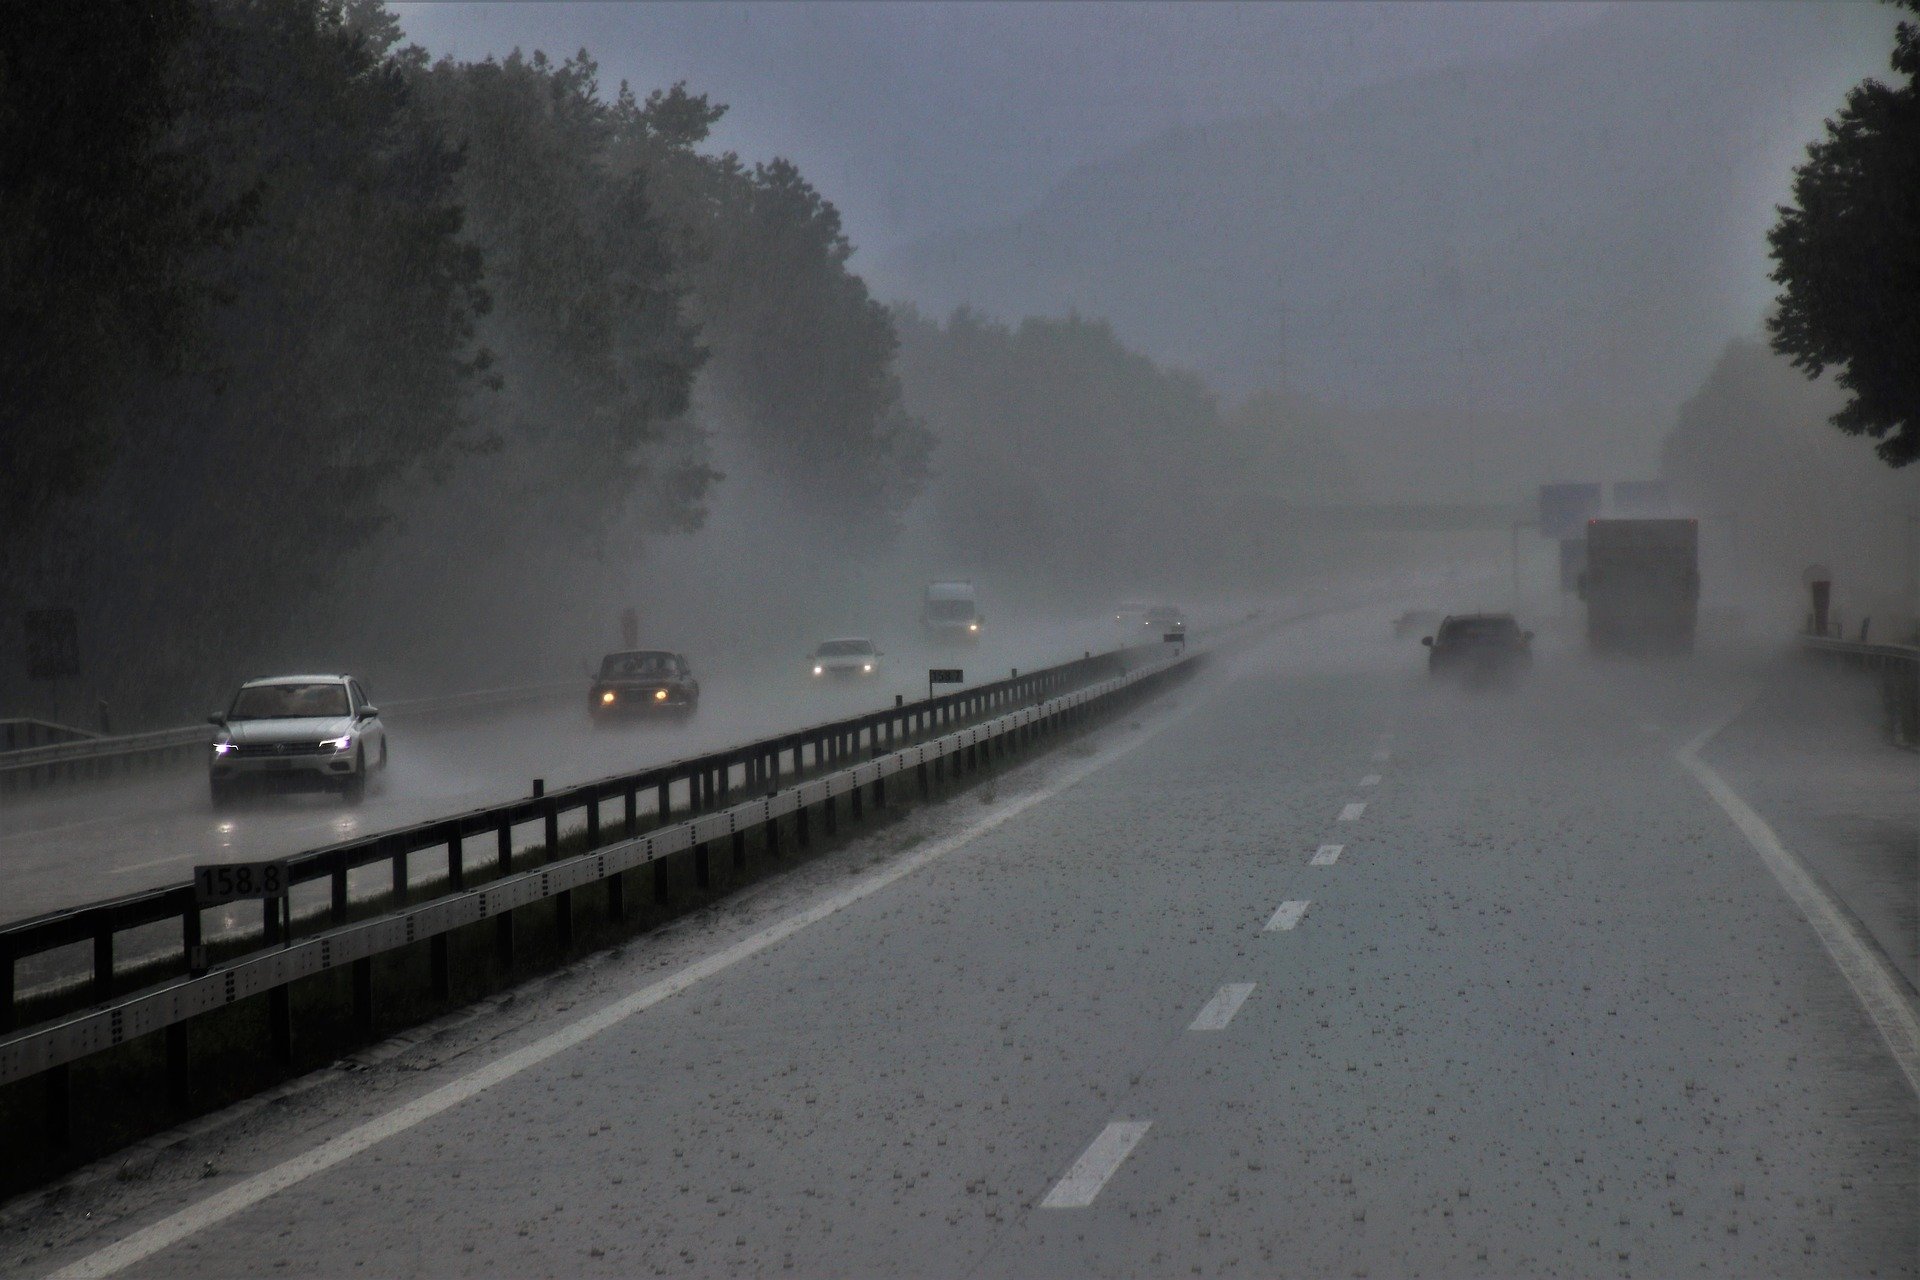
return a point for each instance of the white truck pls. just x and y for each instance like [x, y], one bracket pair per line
[951, 611]
[1642, 584]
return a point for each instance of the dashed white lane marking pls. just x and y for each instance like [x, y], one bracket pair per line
[243, 1195]
[1219, 1011]
[1353, 811]
[1327, 854]
[1878, 990]
[1288, 915]
[1382, 756]
[1098, 1163]
[1371, 780]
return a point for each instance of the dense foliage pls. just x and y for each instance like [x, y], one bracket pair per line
[1847, 256]
[278, 295]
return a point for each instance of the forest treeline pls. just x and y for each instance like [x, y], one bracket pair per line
[318, 350]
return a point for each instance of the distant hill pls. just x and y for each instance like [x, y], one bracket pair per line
[1528, 264]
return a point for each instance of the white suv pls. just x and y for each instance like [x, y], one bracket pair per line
[297, 731]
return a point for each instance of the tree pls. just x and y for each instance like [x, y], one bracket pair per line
[103, 215]
[1847, 255]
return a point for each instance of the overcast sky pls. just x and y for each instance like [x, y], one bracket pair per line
[923, 118]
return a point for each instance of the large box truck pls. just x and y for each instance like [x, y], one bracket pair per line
[1641, 585]
[951, 611]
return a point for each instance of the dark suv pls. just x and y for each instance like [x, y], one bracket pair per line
[1479, 647]
[643, 682]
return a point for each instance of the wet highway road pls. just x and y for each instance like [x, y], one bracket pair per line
[1315, 969]
[69, 845]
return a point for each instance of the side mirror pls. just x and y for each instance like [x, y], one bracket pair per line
[368, 713]
[217, 719]
[1427, 641]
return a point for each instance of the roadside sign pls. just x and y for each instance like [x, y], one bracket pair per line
[946, 675]
[233, 881]
[53, 644]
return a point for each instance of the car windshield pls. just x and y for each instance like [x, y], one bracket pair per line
[950, 609]
[627, 665]
[1163, 615]
[289, 701]
[845, 649]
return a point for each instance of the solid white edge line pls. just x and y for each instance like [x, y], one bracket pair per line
[1326, 855]
[1099, 1162]
[178, 1226]
[1874, 984]
[1219, 1011]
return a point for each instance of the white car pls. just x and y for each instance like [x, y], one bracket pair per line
[848, 658]
[297, 732]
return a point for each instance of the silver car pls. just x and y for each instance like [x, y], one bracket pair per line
[297, 732]
[848, 658]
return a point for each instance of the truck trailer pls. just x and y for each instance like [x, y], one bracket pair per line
[1641, 585]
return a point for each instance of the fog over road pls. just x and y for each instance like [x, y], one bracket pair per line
[1543, 1011]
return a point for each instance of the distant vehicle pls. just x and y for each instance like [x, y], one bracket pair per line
[1415, 622]
[1479, 648]
[951, 611]
[296, 732]
[848, 658]
[637, 682]
[1164, 618]
[1642, 584]
[1131, 615]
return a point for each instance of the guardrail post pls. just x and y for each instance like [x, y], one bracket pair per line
[400, 869]
[337, 909]
[663, 802]
[503, 835]
[661, 890]
[442, 976]
[800, 831]
[853, 802]
[739, 851]
[630, 813]
[833, 821]
[503, 939]
[772, 836]
[456, 862]
[363, 996]
[617, 896]
[179, 1068]
[280, 1023]
[593, 822]
[702, 870]
[58, 1105]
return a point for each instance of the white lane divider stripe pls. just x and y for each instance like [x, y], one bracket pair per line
[1873, 982]
[218, 1207]
[1219, 1011]
[1327, 854]
[1371, 780]
[1098, 1163]
[1382, 756]
[1353, 811]
[1288, 915]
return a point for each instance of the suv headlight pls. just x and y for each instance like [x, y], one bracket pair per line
[340, 743]
[659, 695]
[223, 748]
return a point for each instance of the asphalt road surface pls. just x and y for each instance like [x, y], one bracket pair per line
[70, 845]
[1311, 969]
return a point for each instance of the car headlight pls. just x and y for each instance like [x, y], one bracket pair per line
[867, 667]
[819, 671]
[973, 626]
[659, 695]
[340, 743]
[606, 699]
[223, 748]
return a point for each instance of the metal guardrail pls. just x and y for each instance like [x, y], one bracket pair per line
[50, 1049]
[98, 758]
[687, 785]
[1898, 668]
